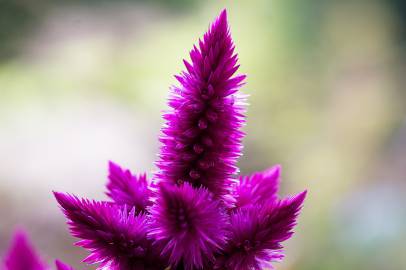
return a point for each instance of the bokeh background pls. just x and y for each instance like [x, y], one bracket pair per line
[84, 82]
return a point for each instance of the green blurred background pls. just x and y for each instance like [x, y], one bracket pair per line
[83, 82]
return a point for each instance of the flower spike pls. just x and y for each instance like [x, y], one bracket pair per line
[256, 234]
[127, 189]
[201, 139]
[116, 237]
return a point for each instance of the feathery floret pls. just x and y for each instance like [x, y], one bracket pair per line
[128, 189]
[189, 224]
[201, 139]
[116, 237]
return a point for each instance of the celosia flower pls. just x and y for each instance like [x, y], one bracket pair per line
[22, 256]
[189, 224]
[198, 215]
[116, 237]
[127, 189]
[256, 233]
[201, 138]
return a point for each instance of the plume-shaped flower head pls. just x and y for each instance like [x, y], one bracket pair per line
[116, 237]
[196, 213]
[256, 234]
[189, 224]
[201, 139]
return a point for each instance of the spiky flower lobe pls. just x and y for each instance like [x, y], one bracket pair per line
[257, 233]
[257, 188]
[189, 224]
[128, 189]
[116, 237]
[22, 255]
[201, 139]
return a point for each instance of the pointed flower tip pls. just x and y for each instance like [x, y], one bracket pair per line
[60, 197]
[278, 167]
[20, 235]
[114, 168]
[221, 21]
[112, 165]
[302, 196]
[274, 172]
[20, 239]
[295, 202]
[61, 266]
[65, 200]
[223, 15]
[55, 193]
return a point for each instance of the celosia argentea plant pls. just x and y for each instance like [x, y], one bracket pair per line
[195, 213]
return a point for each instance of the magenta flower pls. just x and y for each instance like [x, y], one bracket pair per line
[196, 213]
[201, 139]
[116, 237]
[256, 233]
[22, 256]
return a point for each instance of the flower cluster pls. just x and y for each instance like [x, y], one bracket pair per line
[195, 213]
